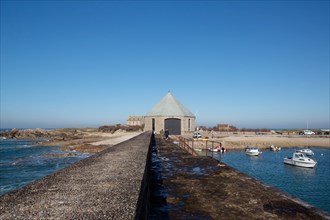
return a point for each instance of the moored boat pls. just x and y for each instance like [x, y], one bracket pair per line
[300, 159]
[307, 151]
[252, 151]
[218, 149]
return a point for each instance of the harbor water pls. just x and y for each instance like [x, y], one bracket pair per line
[311, 185]
[22, 163]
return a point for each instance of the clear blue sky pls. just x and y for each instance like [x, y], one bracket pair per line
[251, 64]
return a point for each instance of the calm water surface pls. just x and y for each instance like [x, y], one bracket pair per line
[22, 163]
[311, 185]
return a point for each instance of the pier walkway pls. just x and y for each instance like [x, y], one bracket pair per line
[147, 178]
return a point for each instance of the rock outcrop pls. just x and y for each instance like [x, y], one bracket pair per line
[38, 133]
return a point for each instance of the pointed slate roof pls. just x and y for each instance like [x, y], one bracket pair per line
[169, 106]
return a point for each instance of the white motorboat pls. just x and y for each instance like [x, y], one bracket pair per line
[252, 151]
[300, 159]
[307, 151]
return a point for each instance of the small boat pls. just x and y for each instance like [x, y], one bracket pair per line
[307, 151]
[252, 151]
[274, 148]
[300, 159]
[214, 149]
[218, 149]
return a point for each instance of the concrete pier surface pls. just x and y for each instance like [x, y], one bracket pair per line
[188, 187]
[106, 185]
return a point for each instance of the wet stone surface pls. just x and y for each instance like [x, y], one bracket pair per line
[187, 187]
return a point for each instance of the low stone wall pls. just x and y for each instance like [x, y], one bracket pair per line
[109, 185]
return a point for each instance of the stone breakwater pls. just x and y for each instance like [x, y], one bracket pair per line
[106, 185]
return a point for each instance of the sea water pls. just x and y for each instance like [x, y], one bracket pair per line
[21, 162]
[312, 185]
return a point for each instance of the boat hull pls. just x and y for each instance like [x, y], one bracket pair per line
[307, 164]
[217, 150]
[252, 153]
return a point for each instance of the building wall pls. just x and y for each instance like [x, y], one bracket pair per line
[135, 120]
[160, 121]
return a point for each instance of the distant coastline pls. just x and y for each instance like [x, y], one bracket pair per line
[93, 140]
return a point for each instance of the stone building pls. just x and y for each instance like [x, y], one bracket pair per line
[169, 114]
[135, 120]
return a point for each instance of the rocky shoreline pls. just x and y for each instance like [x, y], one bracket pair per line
[69, 139]
[55, 134]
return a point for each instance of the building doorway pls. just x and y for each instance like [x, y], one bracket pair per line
[173, 125]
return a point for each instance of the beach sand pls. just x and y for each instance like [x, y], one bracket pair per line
[91, 142]
[115, 138]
